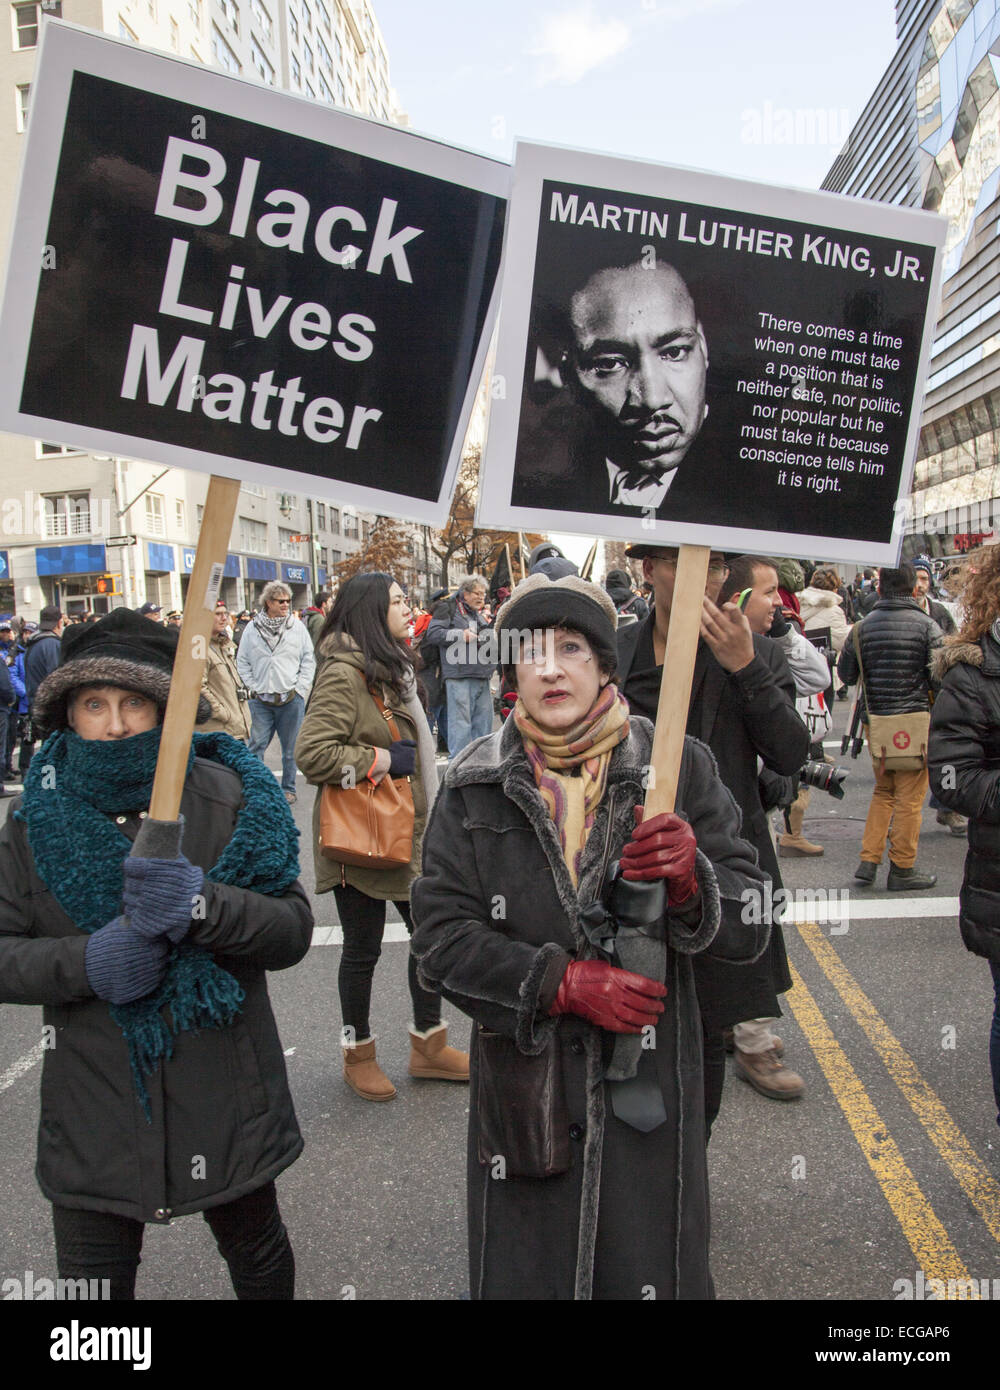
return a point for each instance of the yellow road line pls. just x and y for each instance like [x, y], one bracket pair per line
[974, 1178]
[927, 1238]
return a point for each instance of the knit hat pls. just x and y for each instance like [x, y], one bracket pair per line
[921, 562]
[791, 575]
[539, 602]
[122, 649]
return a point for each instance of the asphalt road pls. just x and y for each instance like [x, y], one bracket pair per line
[887, 1165]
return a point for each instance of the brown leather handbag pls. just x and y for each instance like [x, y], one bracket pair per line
[368, 826]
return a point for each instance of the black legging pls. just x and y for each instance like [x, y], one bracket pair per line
[363, 921]
[248, 1231]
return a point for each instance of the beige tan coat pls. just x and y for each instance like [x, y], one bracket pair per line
[341, 730]
[230, 715]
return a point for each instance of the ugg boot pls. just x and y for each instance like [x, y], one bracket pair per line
[795, 844]
[432, 1058]
[364, 1075]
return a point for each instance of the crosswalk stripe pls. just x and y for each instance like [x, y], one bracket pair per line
[924, 1232]
[22, 1065]
[974, 1178]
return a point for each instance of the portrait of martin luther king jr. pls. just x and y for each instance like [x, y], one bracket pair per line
[617, 394]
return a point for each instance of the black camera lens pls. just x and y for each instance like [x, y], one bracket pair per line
[825, 778]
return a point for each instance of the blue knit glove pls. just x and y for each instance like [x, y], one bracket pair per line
[402, 758]
[157, 895]
[123, 966]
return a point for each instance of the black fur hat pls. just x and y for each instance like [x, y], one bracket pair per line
[122, 649]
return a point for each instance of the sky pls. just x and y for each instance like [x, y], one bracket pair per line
[701, 83]
[710, 84]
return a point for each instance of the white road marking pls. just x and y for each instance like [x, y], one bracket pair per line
[22, 1065]
[857, 908]
[395, 934]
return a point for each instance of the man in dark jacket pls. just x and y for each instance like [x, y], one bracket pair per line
[466, 665]
[743, 706]
[897, 642]
[41, 651]
[624, 596]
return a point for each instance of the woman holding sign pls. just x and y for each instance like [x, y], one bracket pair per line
[163, 1085]
[587, 1114]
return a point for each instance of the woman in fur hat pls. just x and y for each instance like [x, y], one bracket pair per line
[586, 1160]
[164, 1088]
[964, 761]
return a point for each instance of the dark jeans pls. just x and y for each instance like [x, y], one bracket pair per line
[363, 921]
[995, 1036]
[248, 1231]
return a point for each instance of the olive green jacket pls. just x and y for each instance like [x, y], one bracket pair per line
[230, 714]
[342, 728]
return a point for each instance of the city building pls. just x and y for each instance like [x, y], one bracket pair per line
[91, 532]
[930, 137]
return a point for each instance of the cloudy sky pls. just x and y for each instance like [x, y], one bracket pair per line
[713, 84]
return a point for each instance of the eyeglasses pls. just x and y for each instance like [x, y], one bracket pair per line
[714, 566]
[281, 600]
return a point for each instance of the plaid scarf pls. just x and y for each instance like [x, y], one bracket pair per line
[572, 800]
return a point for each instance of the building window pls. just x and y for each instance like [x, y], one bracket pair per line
[199, 512]
[335, 520]
[307, 56]
[341, 94]
[223, 54]
[324, 52]
[321, 516]
[194, 12]
[322, 556]
[335, 557]
[324, 88]
[254, 489]
[67, 514]
[287, 502]
[22, 99]
[288, 548]
[253, 535]
[179, 514]
[27, 18]
[155, 523]
[293, 22]
[175, 36]
[260, 62]
[124, 32]
[232, 14]
[365, 531]
[307, 17]
[324, 15]
[296, 67]
[54, 451]
[351, 525]
[262, 17]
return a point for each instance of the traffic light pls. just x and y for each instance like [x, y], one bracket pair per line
[108, 584]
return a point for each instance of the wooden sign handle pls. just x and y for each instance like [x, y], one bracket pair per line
[678, 674]
[192, 647]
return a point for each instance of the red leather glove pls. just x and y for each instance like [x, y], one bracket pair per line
[614, 999]
[663, 847]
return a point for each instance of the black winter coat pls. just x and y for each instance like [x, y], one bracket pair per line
[964, 764]
[741, 717]
[898, 641]
[497, 919]
[222, 1097]
[41, 656]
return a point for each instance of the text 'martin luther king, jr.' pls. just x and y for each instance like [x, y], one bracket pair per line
[617, 397]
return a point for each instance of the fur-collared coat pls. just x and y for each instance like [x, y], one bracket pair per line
[964, 764]
[497, 921]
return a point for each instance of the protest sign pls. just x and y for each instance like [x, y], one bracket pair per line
[212, 274]
[689, 359]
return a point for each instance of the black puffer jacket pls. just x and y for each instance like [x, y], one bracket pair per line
[222, 1117]
[965, 774]
[898, 641]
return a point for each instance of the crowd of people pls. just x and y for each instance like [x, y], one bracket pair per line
[606, 960]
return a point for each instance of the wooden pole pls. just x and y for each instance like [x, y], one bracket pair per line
[678, 674]
[523, 557]
[192, 647]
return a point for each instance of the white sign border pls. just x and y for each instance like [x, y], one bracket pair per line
[533, 164]
[69, 48]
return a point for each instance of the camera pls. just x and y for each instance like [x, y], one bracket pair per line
[825, 778]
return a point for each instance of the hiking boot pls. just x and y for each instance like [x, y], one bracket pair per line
[729, 1042]
[767, 1073]
[957, 824]
[865, 872]
[908, 880]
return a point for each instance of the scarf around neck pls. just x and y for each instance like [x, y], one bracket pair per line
[572, 801]
[72, 788]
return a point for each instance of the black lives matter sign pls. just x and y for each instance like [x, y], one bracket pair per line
[692, 359]
[242, 282]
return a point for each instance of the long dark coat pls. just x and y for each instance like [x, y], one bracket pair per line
[497, 920]
[222, 1097]
[741, 717]
[964, 763]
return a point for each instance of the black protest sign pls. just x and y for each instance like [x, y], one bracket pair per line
[690, 359]
[247, 283]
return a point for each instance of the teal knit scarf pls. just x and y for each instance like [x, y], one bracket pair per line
[72, 788]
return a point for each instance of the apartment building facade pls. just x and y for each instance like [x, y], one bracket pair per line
[91, 532]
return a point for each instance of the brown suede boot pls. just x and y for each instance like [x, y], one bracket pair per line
[432, 1059]
[364, 1075]
[794, 844]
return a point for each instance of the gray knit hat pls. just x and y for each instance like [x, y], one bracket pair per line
[540, 602]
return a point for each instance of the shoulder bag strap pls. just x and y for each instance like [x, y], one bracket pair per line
[861, 669]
